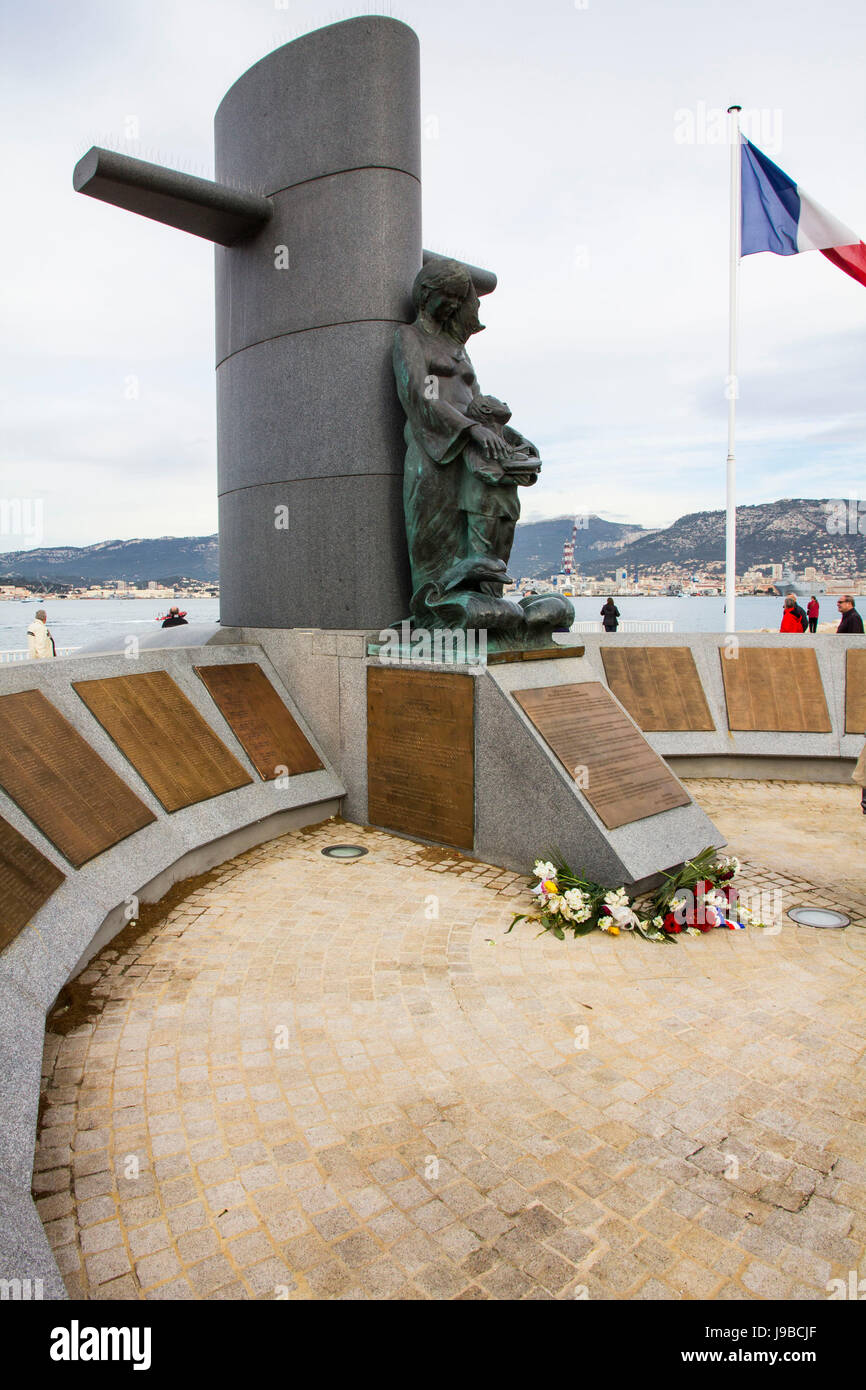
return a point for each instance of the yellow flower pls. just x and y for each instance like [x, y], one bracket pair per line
[549, 886]
[613, 931]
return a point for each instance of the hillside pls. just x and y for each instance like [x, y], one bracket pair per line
[165, 558]
[791, 531]
[537, 550]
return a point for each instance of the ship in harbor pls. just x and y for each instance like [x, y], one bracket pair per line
[790, 584]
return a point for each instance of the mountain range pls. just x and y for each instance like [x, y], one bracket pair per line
[795, 531]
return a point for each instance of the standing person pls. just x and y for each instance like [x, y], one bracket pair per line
[40, 643]
[850, 620]
[793, 617]
[812, 610]
[859, 776]
[610, 616]
[175, 618]
[799, 613]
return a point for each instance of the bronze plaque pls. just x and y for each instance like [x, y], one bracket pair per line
[27, 880]
[659, 687]
[78, 801]
[165, 738]
[855, 691]
[554, 653]
[421, 754]
[621, 776]
[262, 724]
[774, 690]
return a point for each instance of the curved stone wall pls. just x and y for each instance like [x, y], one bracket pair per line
[95, 901]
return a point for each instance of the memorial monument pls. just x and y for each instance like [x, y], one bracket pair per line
[350, 420]
[118, 777]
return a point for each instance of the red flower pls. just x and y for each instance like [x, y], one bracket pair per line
[605, 912]
[670, 923]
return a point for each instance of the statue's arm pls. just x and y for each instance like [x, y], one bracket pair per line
[442, 428]
[519, 441]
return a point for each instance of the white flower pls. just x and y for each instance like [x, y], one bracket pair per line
[579, 906]
[553, 904]
[623, 916]
[677, 904]
[543, 871]
[715, 899]
[616, 898]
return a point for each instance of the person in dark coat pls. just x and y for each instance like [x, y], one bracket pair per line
[812, 610]
[793, 617]
[850, 620]
[610, 616]
[175, 618]
[799, 613]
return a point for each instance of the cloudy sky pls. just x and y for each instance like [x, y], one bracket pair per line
[572, 147]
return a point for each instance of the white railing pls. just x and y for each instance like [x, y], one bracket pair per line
[626, 625]
[21, 653]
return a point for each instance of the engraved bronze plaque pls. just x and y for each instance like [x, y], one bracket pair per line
[78, 802]
[421, 754]
[262, 724]
[27, 880]
[554, 653]
[855, 691]
[621, 776]
[659, 687]
[165, 738]
[774, 690]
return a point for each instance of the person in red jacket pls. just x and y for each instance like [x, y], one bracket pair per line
[791, 621]
[812, 610]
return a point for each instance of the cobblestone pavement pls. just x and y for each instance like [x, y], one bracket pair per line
[816, 827]
[302, 1082]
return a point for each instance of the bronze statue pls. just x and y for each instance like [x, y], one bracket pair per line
[464, 464]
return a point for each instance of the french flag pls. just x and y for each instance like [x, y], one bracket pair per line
[779, 217]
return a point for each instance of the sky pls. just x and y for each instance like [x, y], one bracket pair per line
[577, 149]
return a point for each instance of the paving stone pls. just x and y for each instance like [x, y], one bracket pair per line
[307, 1169]
[107, 1264]
[154, 1269]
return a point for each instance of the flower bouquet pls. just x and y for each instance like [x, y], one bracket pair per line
[700, 896]
[566, 901]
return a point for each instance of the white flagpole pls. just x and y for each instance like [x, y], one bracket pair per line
[733, 388]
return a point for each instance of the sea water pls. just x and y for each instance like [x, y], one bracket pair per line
[75, 622]
[79, 622]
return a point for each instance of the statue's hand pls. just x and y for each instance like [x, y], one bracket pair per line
[490, 444]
